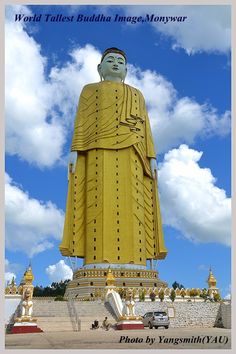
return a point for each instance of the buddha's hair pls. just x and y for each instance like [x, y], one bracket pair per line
[113, 50]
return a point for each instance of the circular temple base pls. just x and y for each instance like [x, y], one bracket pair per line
[91, 283]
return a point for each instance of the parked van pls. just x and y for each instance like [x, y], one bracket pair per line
[156, 319]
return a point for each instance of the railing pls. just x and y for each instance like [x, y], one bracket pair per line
[11, 322]
[75, 320]
[114, 299]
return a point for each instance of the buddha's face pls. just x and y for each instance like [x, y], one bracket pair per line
[113, 67]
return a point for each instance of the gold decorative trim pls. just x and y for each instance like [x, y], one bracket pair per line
[25, 319]
[117, 273]
[130, 318]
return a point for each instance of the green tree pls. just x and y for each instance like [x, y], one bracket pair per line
[172, 295]
[216, 297]
[176, 285]
[161, 295]
[38, 291]
[56, 289]
[193, 293]
[152, 296]
[183, 293]
[142, 295]
[204, 294]
[121, 291]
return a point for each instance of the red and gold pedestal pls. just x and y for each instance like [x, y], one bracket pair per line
[129, 322]
[25, 325]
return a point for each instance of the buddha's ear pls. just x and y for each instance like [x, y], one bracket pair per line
[124, 76]
[99, 69]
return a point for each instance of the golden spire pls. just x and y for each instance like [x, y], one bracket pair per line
[211, 279]
[110, 278]
[13, 281]
[28, 276]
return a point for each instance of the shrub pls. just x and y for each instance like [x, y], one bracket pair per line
[59, 298]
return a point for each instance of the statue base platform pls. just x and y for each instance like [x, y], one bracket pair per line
[129, 324]
[90, 284]
[25, 327]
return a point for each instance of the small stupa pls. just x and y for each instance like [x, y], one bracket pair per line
[212, 289]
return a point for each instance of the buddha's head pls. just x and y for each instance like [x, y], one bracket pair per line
[113, 65]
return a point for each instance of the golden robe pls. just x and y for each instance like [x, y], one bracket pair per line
[112, 212]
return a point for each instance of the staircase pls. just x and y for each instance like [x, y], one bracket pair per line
[70, 315]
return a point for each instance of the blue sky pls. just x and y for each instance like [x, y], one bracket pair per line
[183, 70]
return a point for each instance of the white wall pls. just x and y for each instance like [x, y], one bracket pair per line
[11, 303]
[226, 314]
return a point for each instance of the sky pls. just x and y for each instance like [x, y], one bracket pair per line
[183, 69]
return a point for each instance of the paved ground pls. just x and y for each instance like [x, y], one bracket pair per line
[172, 338]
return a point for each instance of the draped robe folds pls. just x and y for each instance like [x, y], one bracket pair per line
[112, 212]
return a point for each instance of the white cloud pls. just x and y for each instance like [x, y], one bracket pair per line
[31, 225]
[228, 293]
[10, 12]
[29, 134]
[8, 272]
[72, 9]
[8, 277]
[190, 201]
[176, 120]
[12, 267]
[206, 29]
[6, 264]
[203, 267]
[59, 271]
[40, 109]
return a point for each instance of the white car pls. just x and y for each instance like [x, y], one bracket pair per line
[156, 319]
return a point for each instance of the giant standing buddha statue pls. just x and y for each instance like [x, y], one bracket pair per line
[112, 215]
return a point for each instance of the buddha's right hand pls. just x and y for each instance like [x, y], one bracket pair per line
[72, 161]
